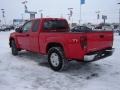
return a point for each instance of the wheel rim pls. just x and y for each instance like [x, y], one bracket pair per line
[54, 58]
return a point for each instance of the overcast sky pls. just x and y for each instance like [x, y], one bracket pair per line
[58, 8]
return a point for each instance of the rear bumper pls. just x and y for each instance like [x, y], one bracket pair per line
[98, 55]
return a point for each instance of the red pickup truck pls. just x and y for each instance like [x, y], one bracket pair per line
[52, 37]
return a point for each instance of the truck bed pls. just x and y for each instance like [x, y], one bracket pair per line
[75, 48]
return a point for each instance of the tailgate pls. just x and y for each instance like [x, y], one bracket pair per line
[99, 40]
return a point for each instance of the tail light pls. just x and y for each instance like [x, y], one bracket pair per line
[83, 42]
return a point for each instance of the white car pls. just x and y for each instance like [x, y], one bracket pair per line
[103, 28]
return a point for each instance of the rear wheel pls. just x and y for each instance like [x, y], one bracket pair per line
[14, 48]
[57, 59]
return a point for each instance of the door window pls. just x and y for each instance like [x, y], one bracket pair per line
[27, 26]
[35, 26]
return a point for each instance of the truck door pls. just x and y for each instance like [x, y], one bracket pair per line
[34, 36]
[23, 37]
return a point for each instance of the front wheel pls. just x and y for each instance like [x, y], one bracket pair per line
[14, 48]
[56, 59]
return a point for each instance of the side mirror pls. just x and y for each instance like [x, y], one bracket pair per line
[19, 30]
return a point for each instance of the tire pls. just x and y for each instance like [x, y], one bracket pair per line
[14, 48]
[57, 59]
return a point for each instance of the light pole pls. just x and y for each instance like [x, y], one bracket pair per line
[3, 15]
[25, 6]
[41, 14]
[98, 16]
[70, 14]
[119, 18]
[31, 13]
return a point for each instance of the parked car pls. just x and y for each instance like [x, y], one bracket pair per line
[7, 28]
[117, 30]
[2, 28]
[81, 29]
[52, 37]
[103, 27]
[11, 27]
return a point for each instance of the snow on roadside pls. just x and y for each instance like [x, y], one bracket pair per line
[29, 71]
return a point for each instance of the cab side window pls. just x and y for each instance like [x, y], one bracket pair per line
[36, 25]
[27, 26]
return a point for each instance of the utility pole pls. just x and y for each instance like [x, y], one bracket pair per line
[81, 3]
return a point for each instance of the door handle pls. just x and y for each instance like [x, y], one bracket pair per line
[101, 36]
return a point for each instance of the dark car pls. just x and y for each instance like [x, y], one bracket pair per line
[11, 27]
[8, 28]
[81, 29]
